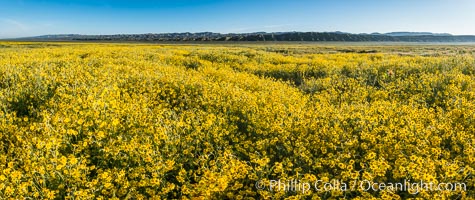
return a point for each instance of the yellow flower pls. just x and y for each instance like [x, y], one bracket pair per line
[147, 121]
[115, 122]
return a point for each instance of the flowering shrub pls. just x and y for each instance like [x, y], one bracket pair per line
[85, 121]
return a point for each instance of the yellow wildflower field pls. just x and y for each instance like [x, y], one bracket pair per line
[149, 121]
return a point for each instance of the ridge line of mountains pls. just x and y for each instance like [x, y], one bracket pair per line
[263, 36]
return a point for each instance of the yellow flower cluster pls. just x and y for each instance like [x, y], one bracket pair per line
[123, 121]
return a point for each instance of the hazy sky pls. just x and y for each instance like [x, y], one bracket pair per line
[28, 17]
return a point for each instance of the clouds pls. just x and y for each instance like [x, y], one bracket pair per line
[14, 24]
[13, 28]
[20, 18]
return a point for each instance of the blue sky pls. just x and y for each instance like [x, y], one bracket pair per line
[20, 18]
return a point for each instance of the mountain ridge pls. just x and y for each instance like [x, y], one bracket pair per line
[264, 36]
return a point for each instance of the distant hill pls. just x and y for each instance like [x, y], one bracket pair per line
[263, 36]
[396, 34]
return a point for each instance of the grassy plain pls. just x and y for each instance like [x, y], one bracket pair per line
[140, 121]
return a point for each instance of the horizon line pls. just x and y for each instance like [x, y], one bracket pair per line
[225, 33]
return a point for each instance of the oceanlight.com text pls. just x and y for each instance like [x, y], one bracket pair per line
[412, 187]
